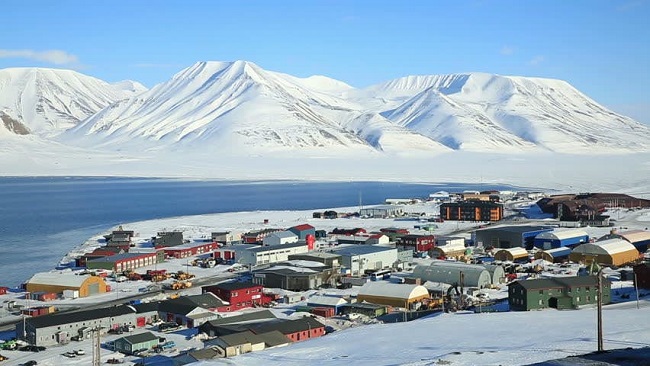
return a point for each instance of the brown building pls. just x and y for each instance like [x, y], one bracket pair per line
[642, 275]
[471, 211]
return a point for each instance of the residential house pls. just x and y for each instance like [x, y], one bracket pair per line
[131, 344]
[238, 295]
[556, 292]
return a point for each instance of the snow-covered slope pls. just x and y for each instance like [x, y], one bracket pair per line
[480, 112]
[130, 87]
[48, 101]
[235, 107]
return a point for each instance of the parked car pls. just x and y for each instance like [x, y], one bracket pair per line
[70, 355]
[3, 358]
[114, 361]
[167, 327]
[31, 348]
[30, 363]
[80, 352]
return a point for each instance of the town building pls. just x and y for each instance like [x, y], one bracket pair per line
[382, 211]
[508, 236]
[280, 238]
[556, 292]
[347, 232]
[296, 330]
[254, 256]
[168, 239]
[192, 311]
[365, 308]
[331, 260]
[60, 327]
[226, 237]
[131, 344]
[302, 231]
[451, 251]
[471, 211]
[556, 255]
[257, 236]
[561, 238]
[100, 252]
[419, 243]
[512, 255]
[328, 301]
[51, 282]
[127, 261]
[639, 238]
[189, 249]
[296, 275]
[613, 252]
[358, 258]
[239, 295]
[363, 239]
[210, 328]
[393, 294]
[454, 273]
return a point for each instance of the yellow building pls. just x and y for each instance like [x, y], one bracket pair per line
[58, 282]
[615, 252]
[392, 294]
[510, 254]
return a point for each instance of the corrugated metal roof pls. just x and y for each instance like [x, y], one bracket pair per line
[558, 252]
[362, 249]
[606, 247]
[325, 300]
[635, 236]
[392, 290]
[283, 235]
[516, 252]
[58, 279]
[562, 234]
[449, 272]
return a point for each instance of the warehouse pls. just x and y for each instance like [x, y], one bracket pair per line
[557, 292]
[614, 252]
[58, 282]
[58, 328]
[497, 273]
[448, 251]
[294, 276]
[639, 238]
[331, 260]
[450, 272]
[508, 236]
[561, 238]
[556, 255]
[511, 255]
[127, 261]
[382, 212]
[393, 294]
[335, 302]
[189, 250]
[358, 258]
[280, 238]
[257, 255]
[303, 230]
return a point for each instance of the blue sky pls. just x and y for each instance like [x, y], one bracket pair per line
[601, 47]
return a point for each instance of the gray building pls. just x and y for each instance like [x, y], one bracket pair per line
[327, 258]
[296, 275]
[508, 236]
[383, 211]
[169, 239]
[59, 328]
[358, 258]
[257, 255]
[137, 342]
[452, 273]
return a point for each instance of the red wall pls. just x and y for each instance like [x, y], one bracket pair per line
[240, 298]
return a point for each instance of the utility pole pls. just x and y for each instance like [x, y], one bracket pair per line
[599, 282]
[636, 287]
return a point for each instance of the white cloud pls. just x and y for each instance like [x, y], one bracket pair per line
[56, 57]
[507, 50]
[536, 60]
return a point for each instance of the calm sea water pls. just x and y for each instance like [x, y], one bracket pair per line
[41, 219]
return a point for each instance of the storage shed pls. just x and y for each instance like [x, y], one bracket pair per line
[615, 252]
[58, 282]
[130, 344]
[450, 273]
[279, 238]
[335, 302]
[448, 251]
[508, 236]
[561, 238]
[511, 254]
[639, 238]
[497, 273]
[392, 294]
[556, 255]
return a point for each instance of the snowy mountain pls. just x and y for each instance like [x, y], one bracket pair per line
[239, 107]
[480, 112]
[130, 87]
[48, 101]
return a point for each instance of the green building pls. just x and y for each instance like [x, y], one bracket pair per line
[137, 342]
[558, 293]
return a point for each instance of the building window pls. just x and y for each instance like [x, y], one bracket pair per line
[541, 292]
[541, 302]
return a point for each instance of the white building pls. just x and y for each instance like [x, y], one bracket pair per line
[359, 258]
[280, 238]
[257, 255]
[382, 212]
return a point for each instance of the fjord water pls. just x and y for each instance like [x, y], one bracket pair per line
[41, 219]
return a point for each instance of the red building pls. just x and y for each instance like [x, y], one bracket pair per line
[394, 230]
[224, 253]
[239, 294]
[3, 290]
[257, 236]
[98, 253]
[189, 250]
[297, 329]
[642, 274]
[420, 243]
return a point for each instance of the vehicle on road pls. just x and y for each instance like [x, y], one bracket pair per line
[30, 363]
[70, 355]
[114, 361]
[80, 352]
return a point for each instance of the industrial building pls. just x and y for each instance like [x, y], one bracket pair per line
[59, 328]
[86, 285]
[511, 255]
[508, 236]
[190, 249]
[613, 252]
[303, 230]
[335, 302]
[238, 294]
[497, 273]
[561, 238]
[331, 260]
[127, 261]
[382, 212]
[556, 255]
[358, 258]
[280, 238]
[168, 239]
[454, 273]
[257, 255]
[448, 251]
[226, 237]
[471, 211]
[557, 292]
[639, 238]
[392, 294]
[296, 275]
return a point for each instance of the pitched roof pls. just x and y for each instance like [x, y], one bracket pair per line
[325, 300]
[140, 338]
[274, 338]
[240, 338]
[185, 304]
[243, 318]
[61, 318]
[302, 227]
[558, 282]
[234, 285]
[58, 279]
[288, 326]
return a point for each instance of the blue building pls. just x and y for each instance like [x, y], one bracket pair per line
[508, 236]
[556, 255]
[561, 238]
[302, 231]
